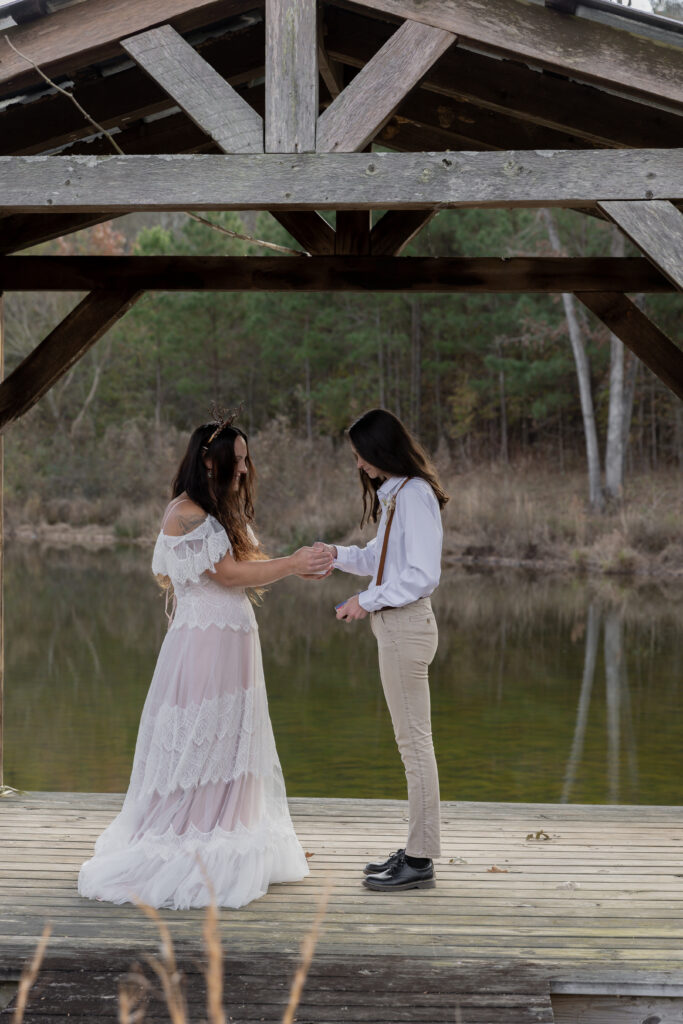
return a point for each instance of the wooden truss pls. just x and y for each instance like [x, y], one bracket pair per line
[285, 152]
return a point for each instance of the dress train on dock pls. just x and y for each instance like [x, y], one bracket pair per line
[205, 816]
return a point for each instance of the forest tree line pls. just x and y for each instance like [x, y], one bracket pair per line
[485, 377]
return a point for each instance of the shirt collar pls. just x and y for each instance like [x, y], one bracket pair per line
[390, 486]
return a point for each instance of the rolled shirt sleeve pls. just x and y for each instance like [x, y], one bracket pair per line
[413, 566]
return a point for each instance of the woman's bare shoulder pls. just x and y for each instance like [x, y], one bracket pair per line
[182, 516]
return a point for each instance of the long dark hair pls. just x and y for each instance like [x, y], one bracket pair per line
[234, 509]
[381, 439]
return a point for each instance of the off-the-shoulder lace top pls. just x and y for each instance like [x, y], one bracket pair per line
[189, 561]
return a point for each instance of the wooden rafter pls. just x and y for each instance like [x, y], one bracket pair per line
[336, 181]
[512, 90]
[396, 229]
[63, 347]
[201, 92]
[574, 47]
[640, 334]
[21, 231]
[342, 273]
[331, 72]
[217, 109]
[442, 123]
[308, 228]
[124, 99]
[367, 103]
[291, 76]
[67, 39]
[353, 232]
[657, 229]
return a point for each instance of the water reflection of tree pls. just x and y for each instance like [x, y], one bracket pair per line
[617, 700]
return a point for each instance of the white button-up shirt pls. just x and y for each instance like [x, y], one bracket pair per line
[413, 564]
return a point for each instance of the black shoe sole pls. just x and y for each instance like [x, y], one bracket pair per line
[424, 883]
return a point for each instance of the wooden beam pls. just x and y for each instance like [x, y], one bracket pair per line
[336, 181]
[22, 231]
[62, 348]
[367, 103]
[576, 47]
[657, 229]
[291, 76]
[330, 273]
[123, 99]
[2, 561]
[217, 109]
[67, 39]
[396, 229]
[447, 123]
[640, 334]
[220, 111]
[206, 98]
[308, 228]
[173, 134]
[331, 72]
[353, 232]
[514, 90]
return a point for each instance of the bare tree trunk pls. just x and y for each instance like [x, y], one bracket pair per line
[309, 410]
[678, 434]
[157, 392]
[583, 374]
[97, 376]
[503, 413]
[653, 421]
[416, 361]
[617, 429]
[380, 361]
[437, 390]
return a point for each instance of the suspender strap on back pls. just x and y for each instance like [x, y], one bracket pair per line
[390, 519]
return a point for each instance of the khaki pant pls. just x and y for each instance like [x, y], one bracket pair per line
[407, 638]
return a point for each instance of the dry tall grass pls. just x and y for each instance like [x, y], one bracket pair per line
[135, 986]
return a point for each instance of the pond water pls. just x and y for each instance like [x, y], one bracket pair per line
[543, 689]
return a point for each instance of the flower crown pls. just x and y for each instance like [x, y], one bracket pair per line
[224, 418]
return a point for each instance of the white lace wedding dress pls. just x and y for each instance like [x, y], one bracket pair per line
[206, 806]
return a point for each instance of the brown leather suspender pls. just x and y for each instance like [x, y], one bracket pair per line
[390, 519]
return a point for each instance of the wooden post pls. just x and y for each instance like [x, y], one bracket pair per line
[291, 76]
[4, 790]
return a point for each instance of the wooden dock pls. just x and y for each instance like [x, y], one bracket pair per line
[539, 909]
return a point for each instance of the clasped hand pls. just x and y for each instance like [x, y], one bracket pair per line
[314, 562]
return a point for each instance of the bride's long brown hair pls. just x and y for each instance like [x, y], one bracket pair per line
[381, 439]
[234, 509]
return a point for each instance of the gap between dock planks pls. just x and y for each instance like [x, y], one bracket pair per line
[606, 889]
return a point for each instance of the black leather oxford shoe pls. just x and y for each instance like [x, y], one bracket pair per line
[377, 869]
[400, 875]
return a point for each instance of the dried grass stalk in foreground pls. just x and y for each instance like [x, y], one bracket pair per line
[214, 967]
[30, 973]
[166, 969]
[307, 950]
[132, 991]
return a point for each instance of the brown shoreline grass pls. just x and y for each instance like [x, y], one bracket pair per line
[525, 511]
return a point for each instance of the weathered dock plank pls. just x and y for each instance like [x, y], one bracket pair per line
[597, 906]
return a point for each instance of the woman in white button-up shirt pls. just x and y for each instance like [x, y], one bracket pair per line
[395, 471]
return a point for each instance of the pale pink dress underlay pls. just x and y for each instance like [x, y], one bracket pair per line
[206, 807]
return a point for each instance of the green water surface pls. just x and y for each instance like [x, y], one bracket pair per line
[516, 714]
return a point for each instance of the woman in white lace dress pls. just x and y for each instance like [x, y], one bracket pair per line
[205, 816]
